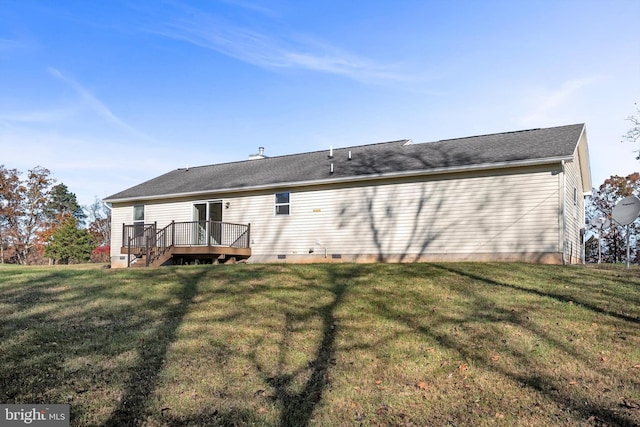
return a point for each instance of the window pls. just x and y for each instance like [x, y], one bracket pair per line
[138, 213]
[138, 225]
[282, 203]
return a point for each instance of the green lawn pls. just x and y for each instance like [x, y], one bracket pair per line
[459, 344]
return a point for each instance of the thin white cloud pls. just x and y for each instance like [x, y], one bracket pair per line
[547, 103]
[8, 44]
[88, 159]
[95, 105]
[89, 165]
[250, 6]
[42, 116]
[207, 31]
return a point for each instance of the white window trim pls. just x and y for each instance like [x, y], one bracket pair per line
[276, 204]
[133, 214]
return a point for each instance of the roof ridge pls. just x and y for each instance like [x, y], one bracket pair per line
[294, 154]
[508, 132]
[489, 134]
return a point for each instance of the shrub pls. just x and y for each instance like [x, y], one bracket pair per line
[101, 254]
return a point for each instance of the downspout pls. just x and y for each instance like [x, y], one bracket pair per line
[563, 217]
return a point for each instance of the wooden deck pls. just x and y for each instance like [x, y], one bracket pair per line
[198, 250]
[189, 255]
[147, 245]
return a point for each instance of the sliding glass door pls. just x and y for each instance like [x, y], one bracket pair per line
[207, 228]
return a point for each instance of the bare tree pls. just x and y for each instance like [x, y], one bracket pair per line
[30, 214]
[11, 196]
[633, 134]
[99, 217]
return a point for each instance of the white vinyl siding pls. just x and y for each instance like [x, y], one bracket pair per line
[164, 213]
[119, 215]
[574, 212]
[504, 213]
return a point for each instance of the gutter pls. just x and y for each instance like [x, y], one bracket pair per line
[372, 177]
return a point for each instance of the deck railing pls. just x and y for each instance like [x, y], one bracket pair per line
[147, 240]
[211, 233]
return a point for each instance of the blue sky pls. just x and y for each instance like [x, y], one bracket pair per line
[107, 94]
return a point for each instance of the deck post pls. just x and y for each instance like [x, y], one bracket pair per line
[148, 251]
[248, 235]
[128, 252]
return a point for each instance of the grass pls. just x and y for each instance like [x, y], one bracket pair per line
[338, 344]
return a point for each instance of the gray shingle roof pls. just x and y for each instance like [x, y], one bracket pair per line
[373, 159]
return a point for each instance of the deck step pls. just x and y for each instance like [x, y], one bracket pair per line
[162, 258]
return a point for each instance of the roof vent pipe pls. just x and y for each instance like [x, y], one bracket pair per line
[260, 154]
[349, 155]
[331, 170]
[331, 151]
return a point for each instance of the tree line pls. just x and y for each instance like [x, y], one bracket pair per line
[612, 238]
[42, 222]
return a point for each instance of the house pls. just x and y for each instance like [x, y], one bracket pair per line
[505, 196]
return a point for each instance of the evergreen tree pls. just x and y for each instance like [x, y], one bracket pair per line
[62, 202]
[69, 243]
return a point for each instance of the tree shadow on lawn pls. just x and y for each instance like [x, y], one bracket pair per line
[575, 299]
[298, 402]
[102, 346]
[152, 353]
[65, 324]
[215, 417]
[295, 391]
[298, 407]
[444, 328]
[38, 334]
[63, 339]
